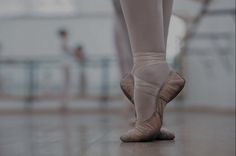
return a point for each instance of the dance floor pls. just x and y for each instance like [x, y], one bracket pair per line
[197, 134]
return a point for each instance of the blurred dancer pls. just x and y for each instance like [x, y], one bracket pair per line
[80, 58]
[151, 84]
[67, 59]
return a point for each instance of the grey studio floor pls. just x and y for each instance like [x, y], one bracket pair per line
[97, 134]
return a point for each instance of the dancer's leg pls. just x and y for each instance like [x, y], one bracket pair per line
[145, 26]
[144, 21]
[171, 88]
[122, 29]
[167, 11]
[122, 42]
[127, 81]
[122, 39]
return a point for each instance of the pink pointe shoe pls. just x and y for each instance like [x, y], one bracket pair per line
[168, 92]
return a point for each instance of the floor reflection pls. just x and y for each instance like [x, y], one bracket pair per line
[143, 149]
[98, 135]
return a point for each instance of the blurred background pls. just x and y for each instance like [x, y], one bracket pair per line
[61, 62]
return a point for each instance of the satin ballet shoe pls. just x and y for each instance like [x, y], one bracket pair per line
[146, 92]
[144, 131]
[164, 134]
[137, 136]
[168, 92]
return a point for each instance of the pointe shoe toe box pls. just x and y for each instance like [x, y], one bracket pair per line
[135, 136]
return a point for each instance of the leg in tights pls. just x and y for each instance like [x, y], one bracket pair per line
[145, 25]
[121, 36]
[122, 40]
[123, 47]
[167, 11]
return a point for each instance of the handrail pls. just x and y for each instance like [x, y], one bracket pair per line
[31, 65]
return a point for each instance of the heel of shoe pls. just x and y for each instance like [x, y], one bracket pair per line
[127, 87]
[172, 87]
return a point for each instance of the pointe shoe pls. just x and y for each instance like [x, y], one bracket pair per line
[170, 90]
[164, 134]
[145, 131]
[147, 87]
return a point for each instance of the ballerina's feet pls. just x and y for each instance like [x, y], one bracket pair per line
[150, 129]
[164, 134]
[145, 131]
[168, 92]
[147, 86]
